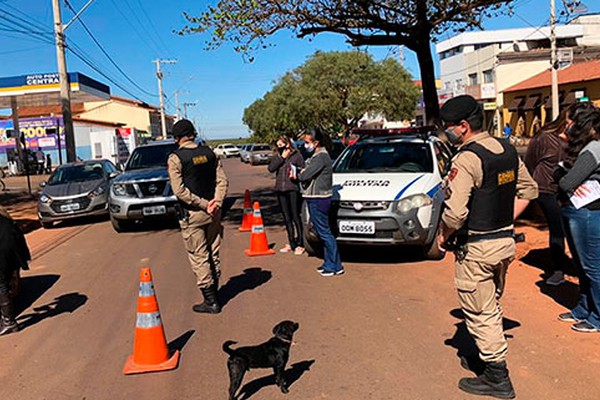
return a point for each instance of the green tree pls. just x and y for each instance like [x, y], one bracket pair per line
[247, 24]
[333, 90]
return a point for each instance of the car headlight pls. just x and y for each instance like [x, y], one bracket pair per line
[96, 192]
[45, 199]
[416, 201]
[119, 189]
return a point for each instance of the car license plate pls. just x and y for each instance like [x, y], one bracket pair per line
[357, 227]
[154, 210]
[70, 207]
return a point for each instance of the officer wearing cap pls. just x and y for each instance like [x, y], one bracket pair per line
[486, 189]
[200, 184]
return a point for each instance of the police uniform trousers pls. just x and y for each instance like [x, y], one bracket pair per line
[480, 279]
[202, 237]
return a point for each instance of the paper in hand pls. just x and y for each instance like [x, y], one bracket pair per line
[589, 196]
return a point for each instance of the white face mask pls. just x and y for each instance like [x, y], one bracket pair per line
[310, 147]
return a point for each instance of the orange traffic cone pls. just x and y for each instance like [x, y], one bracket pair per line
[150, 352]
[259, 246]
[247, 218]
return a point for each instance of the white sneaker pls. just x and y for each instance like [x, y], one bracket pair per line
[299, 251]
[285, 249]
[557, 278]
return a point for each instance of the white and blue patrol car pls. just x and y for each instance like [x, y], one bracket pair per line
[387, 190]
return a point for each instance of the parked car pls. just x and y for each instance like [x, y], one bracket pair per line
[245, 152]
[143, 191]
[260, 154]
[227, 150]
[75, 190]
[387, 191]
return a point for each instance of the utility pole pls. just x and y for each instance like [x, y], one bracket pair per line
[176, 95]
[185, 106]
[553, 60]
[161, 95]
[65, 86]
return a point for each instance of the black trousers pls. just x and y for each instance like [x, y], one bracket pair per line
[549, 204]
[290, 202]
[5, 278]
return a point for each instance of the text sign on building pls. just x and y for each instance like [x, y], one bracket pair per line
[42, 79]
[38, 132]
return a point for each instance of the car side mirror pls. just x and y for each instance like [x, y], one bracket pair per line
[43, 184]
[113, 175]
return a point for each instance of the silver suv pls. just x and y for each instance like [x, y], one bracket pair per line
[143, 191]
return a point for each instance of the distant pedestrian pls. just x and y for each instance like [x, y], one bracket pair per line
[583, 224]
[486, 190]
[14, 255]
[544, 153]
[317, 183]
[507, 131]
[289, 160]
[200, 184]
[48, 164]
[41, 160]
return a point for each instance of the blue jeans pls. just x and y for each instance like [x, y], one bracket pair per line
[583, 232]
[319, 218]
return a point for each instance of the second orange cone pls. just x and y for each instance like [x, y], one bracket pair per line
[259, 245]
[247, 217]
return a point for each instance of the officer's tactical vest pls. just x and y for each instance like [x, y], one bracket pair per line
[492, 205]
[199, 170]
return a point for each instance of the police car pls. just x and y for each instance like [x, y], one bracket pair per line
[387, 190]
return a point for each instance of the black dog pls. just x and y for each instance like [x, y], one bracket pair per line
[272, 354]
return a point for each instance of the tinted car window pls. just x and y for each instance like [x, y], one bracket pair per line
[386, 157]
[150, 156]
[261, 148]
[76, 173]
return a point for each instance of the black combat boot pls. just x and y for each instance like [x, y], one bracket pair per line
[211, 301]
[493, 382]
[8, 324]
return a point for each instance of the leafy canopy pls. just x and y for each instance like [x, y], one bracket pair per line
[333, 90]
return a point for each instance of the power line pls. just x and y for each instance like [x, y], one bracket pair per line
[141, 89]
[153, 26]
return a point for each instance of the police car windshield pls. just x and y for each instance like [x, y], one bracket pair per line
[386, 157]
[150, 156]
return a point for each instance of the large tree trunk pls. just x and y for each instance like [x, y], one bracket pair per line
[430, 97]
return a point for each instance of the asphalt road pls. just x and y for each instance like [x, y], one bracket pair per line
[387, 329]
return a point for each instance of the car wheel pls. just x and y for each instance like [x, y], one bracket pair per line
[119, 225]
[432, 251]
[314, 248]
[47, 225]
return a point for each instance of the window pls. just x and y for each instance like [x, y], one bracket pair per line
[386, 157]
[98, 150]
[488, 76]
[473, 79]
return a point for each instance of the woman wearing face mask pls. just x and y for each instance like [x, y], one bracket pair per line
[284, 164]
[317, 186]
[543, 155]
[583, 224]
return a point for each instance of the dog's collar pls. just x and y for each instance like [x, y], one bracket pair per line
[284, 340]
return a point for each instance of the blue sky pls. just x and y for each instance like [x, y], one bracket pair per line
[135, 32]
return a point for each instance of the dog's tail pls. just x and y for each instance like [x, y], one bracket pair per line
[226, 348]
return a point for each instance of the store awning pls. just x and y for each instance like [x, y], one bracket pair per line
[516, 104]
[532, 102]
[44, 89]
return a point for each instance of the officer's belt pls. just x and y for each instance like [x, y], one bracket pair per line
[473, 238]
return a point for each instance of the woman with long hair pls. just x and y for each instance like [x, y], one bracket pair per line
[583, 224]
[287, 159]
[544, 152]
[317, 184]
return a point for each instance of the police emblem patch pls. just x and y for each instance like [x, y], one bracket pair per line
[506, 177]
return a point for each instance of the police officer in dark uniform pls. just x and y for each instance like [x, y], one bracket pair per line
[200, 184]
[486, 189]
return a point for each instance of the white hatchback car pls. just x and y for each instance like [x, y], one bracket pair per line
[387, 191]
[227, 150]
